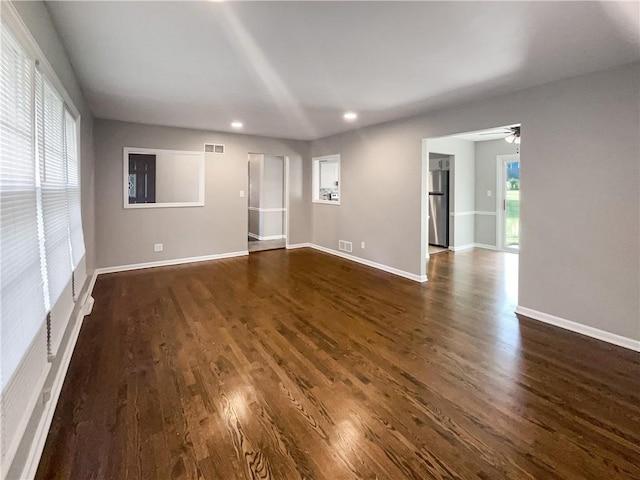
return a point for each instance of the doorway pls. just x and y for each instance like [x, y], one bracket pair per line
[267, 216]
[478, 218]
[438, 192]
[508, 208]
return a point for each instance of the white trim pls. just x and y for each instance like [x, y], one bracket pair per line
[580, 328]
[269, 237]
[459, 214]
[287, 191]
[369, 263]
[479, 212]
[44, 424]
[462, 247]
[126, 151]
[485, 246]
[293, 246]
[88, 299]
[469, 246]
[167, 263]
[258, 209]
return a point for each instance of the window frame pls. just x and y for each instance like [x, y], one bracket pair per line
[315, 182]
[126, 151]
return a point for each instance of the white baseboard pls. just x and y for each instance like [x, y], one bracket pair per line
[580, 328]
[167, 263]
[270, 237]
[42, 429]
[369, 263]
[486, 246]
[473, 245]
[298, 245]
[462, 247]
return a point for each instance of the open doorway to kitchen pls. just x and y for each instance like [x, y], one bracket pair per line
[480, 173]
[267, 219]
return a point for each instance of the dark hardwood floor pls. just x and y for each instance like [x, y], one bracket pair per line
[298, 364]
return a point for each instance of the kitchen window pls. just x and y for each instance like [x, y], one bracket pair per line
[326, 179]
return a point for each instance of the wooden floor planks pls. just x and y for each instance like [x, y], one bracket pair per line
[300, 365]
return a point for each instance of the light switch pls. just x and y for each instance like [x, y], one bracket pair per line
[241, 193]
[488, 193]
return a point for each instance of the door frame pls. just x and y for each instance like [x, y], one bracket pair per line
[501, 161]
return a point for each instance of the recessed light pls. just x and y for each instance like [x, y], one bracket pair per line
[236, 124]
[350, 116]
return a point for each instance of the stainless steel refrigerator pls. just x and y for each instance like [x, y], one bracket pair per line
[439, 208]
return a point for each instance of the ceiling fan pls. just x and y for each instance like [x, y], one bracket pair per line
[513, 134]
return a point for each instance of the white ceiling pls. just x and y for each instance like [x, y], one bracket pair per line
[291, 69]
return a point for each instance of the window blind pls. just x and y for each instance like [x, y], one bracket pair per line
[22, 306]
[53, 182]
[73, 188]
[41, 240]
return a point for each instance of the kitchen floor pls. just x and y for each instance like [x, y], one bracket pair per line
[433, 249]
[256, 245]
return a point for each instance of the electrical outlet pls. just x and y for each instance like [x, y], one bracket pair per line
[488, 193]
[241, 193]
[362, 245]
[157, 247]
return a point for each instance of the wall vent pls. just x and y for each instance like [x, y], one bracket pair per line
[213, 148]
[345, 246]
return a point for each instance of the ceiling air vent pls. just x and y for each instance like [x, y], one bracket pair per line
[213, 148]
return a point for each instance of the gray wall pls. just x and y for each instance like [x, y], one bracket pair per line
[177, 178]
[127, 236]
[272, 196]
[486, 153]
[273, 182]
[580, 251]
